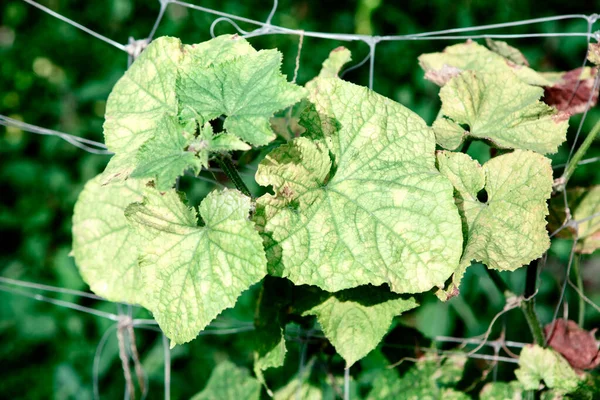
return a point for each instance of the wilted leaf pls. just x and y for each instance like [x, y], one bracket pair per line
[573, 92]
[576, 345]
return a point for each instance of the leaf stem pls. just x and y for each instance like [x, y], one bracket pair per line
[226, 164]
[528, 304]
[572, 165]
[579, 282]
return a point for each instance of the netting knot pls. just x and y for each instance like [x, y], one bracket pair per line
[135, 47]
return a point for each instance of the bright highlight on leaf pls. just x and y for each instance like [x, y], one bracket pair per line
[537, 364]
[363, 204]
[228, 381]
[509, 229]
[500, 108]
[105, 249]
[191, 273]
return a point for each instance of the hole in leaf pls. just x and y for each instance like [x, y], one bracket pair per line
[217, 124]
[482, 196]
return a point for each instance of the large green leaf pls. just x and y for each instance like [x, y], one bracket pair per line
[355, 320]
[191, 273]
[106, 251]
[508, 229]
[537, 364]
[248, 90]
[228, 381]
[363, 202]
[500, 108]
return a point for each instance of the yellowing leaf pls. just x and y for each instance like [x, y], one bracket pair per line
[106, 251]
[363, 204]
[228, 381]
[191, 273]
[537, 364]
[500, 108]
[509, 229]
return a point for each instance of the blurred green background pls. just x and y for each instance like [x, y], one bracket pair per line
[55, 76]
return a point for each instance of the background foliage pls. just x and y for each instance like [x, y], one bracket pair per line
[54, 76]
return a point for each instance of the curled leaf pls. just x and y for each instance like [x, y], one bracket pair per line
[577, 346]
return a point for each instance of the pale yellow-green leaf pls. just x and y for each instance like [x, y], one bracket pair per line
[538, 365]
[500, 108]
[191, 273]
[106, 251]
[228, 381]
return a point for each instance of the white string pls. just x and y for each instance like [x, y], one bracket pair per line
[77, 25]
[49, 288]
[167, 357]
[82, 143]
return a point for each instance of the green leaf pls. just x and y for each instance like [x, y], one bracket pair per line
[500, 108]
[106, 251]
[441, 67]
[537, 364]
[138, 103]
[502, 391]
[247, 89]
[584, 204]
[509, 229]
[191, 273]
[177, 149]
[355, 320]
[228, 381]
[363, 203]
[428, 379]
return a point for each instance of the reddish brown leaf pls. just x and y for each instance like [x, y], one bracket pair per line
[577, 346]
[571, 94]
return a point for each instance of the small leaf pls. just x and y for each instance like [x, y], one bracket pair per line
[363, 202]
[228, 381]
[300, 387]
[594, 53]
[441, 67]
[427, 379]
[191, 273]
[106, 251]
[502, 391]
[584, 204]
[509, 230]
[247, 89]
[537, 364]
[507, 51]
[576, 345]
[355, 320]
[500, 108]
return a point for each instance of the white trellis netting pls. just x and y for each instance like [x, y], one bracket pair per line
[124, 323]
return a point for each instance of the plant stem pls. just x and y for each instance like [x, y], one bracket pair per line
[227, 166]
[572, 165]
[579, 282]
[528, 306]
